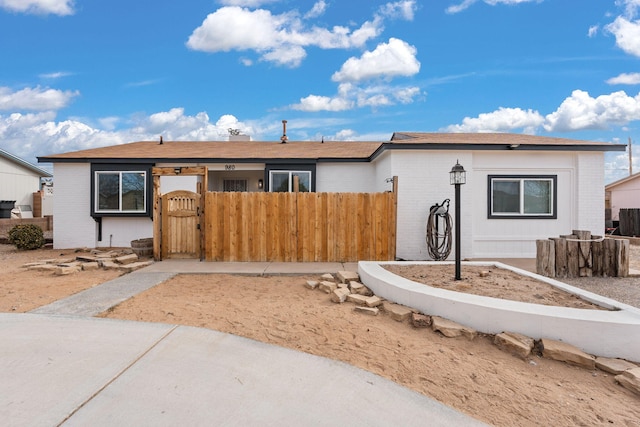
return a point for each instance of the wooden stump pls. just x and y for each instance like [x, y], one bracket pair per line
[545, 258]
[622, 255]
[597, 250]
[561, 256]
[584, 253]
[609, 258]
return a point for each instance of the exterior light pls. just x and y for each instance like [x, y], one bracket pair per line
[260, 183]
[457, 176]
[177, 170]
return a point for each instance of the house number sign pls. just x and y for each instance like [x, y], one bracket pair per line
[229, 167]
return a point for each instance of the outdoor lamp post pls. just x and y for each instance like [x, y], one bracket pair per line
[457, 176]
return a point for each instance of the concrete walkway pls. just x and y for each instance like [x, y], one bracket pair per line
[60, 367]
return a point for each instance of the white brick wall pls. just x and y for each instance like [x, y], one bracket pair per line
[73, 226]
[590, 190]
[345, 177]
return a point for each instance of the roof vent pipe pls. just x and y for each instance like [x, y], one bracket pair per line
[284, 138]
[160, 139]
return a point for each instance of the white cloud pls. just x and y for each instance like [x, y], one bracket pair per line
[468, 3]
[278, 38]
[580, 111]
[55, 76]
[351, 96]
[404, 9]
[39, 7]
[627, 35]
[593, 30]
[630, 7]
[396, 58]
[625, 79]
[39, 134]
[35, 99]
[322, 103]
[318, 9]
[501, 120]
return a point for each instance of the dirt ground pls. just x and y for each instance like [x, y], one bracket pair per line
[474, 377]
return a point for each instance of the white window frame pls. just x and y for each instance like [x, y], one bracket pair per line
[291, 173]
[119, 210]
[552, 179]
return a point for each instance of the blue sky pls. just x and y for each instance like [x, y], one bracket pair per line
[78, 74]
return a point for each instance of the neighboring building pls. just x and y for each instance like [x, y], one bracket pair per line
[19, 179]
[519, 188]
[623, 194]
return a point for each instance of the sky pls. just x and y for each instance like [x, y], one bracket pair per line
[78, 74]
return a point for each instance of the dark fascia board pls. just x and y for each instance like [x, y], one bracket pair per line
[199, 160]
[382, 148]
[496, 147]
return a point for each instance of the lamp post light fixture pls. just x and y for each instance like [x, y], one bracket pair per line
[457, 177]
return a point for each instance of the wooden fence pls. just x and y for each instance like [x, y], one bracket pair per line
[299, 227]
[629, 222]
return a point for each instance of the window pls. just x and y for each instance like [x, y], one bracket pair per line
[282, 181]
[234, 185]
[519, 196]
[120, 192]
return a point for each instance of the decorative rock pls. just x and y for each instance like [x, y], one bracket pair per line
[108, 264]
[614, 366]
[355, 286]
[397, 312]
[347, 276]
[127, 259]
[373, 301]
[451, 329]
[362, 290]
[630, 379]
[420, 320]
[558, 350]
[357, 299]
[65, 270]
[514, 343]
[484, 273]
[86, 258]
[372, 311]
[43, 267]
[327, 287]
[329, 277]
[344, 286]
[339, 295]
[89, 266]
[312, 284]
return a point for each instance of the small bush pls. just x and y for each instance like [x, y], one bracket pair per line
[27, 236]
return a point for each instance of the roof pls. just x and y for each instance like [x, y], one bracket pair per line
[503, 140]
[17, 160]
[252, 151]
[622, 181]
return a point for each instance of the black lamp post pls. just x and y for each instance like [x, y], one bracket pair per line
[457, 176]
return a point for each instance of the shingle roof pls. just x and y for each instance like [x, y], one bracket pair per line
[221, 150]
[504, 139]
[218, 151]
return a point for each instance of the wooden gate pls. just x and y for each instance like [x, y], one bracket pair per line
[180, 235]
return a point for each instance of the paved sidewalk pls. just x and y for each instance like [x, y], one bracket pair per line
[60, 367]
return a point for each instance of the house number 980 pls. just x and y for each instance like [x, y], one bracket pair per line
[229, 167]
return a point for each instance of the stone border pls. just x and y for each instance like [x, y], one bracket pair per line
[599, 332]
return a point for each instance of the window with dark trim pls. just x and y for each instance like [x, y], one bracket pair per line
[280, 177]
[522, 196]
[283, 181]
[120, 190]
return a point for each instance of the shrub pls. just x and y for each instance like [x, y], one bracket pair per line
[27, 236]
